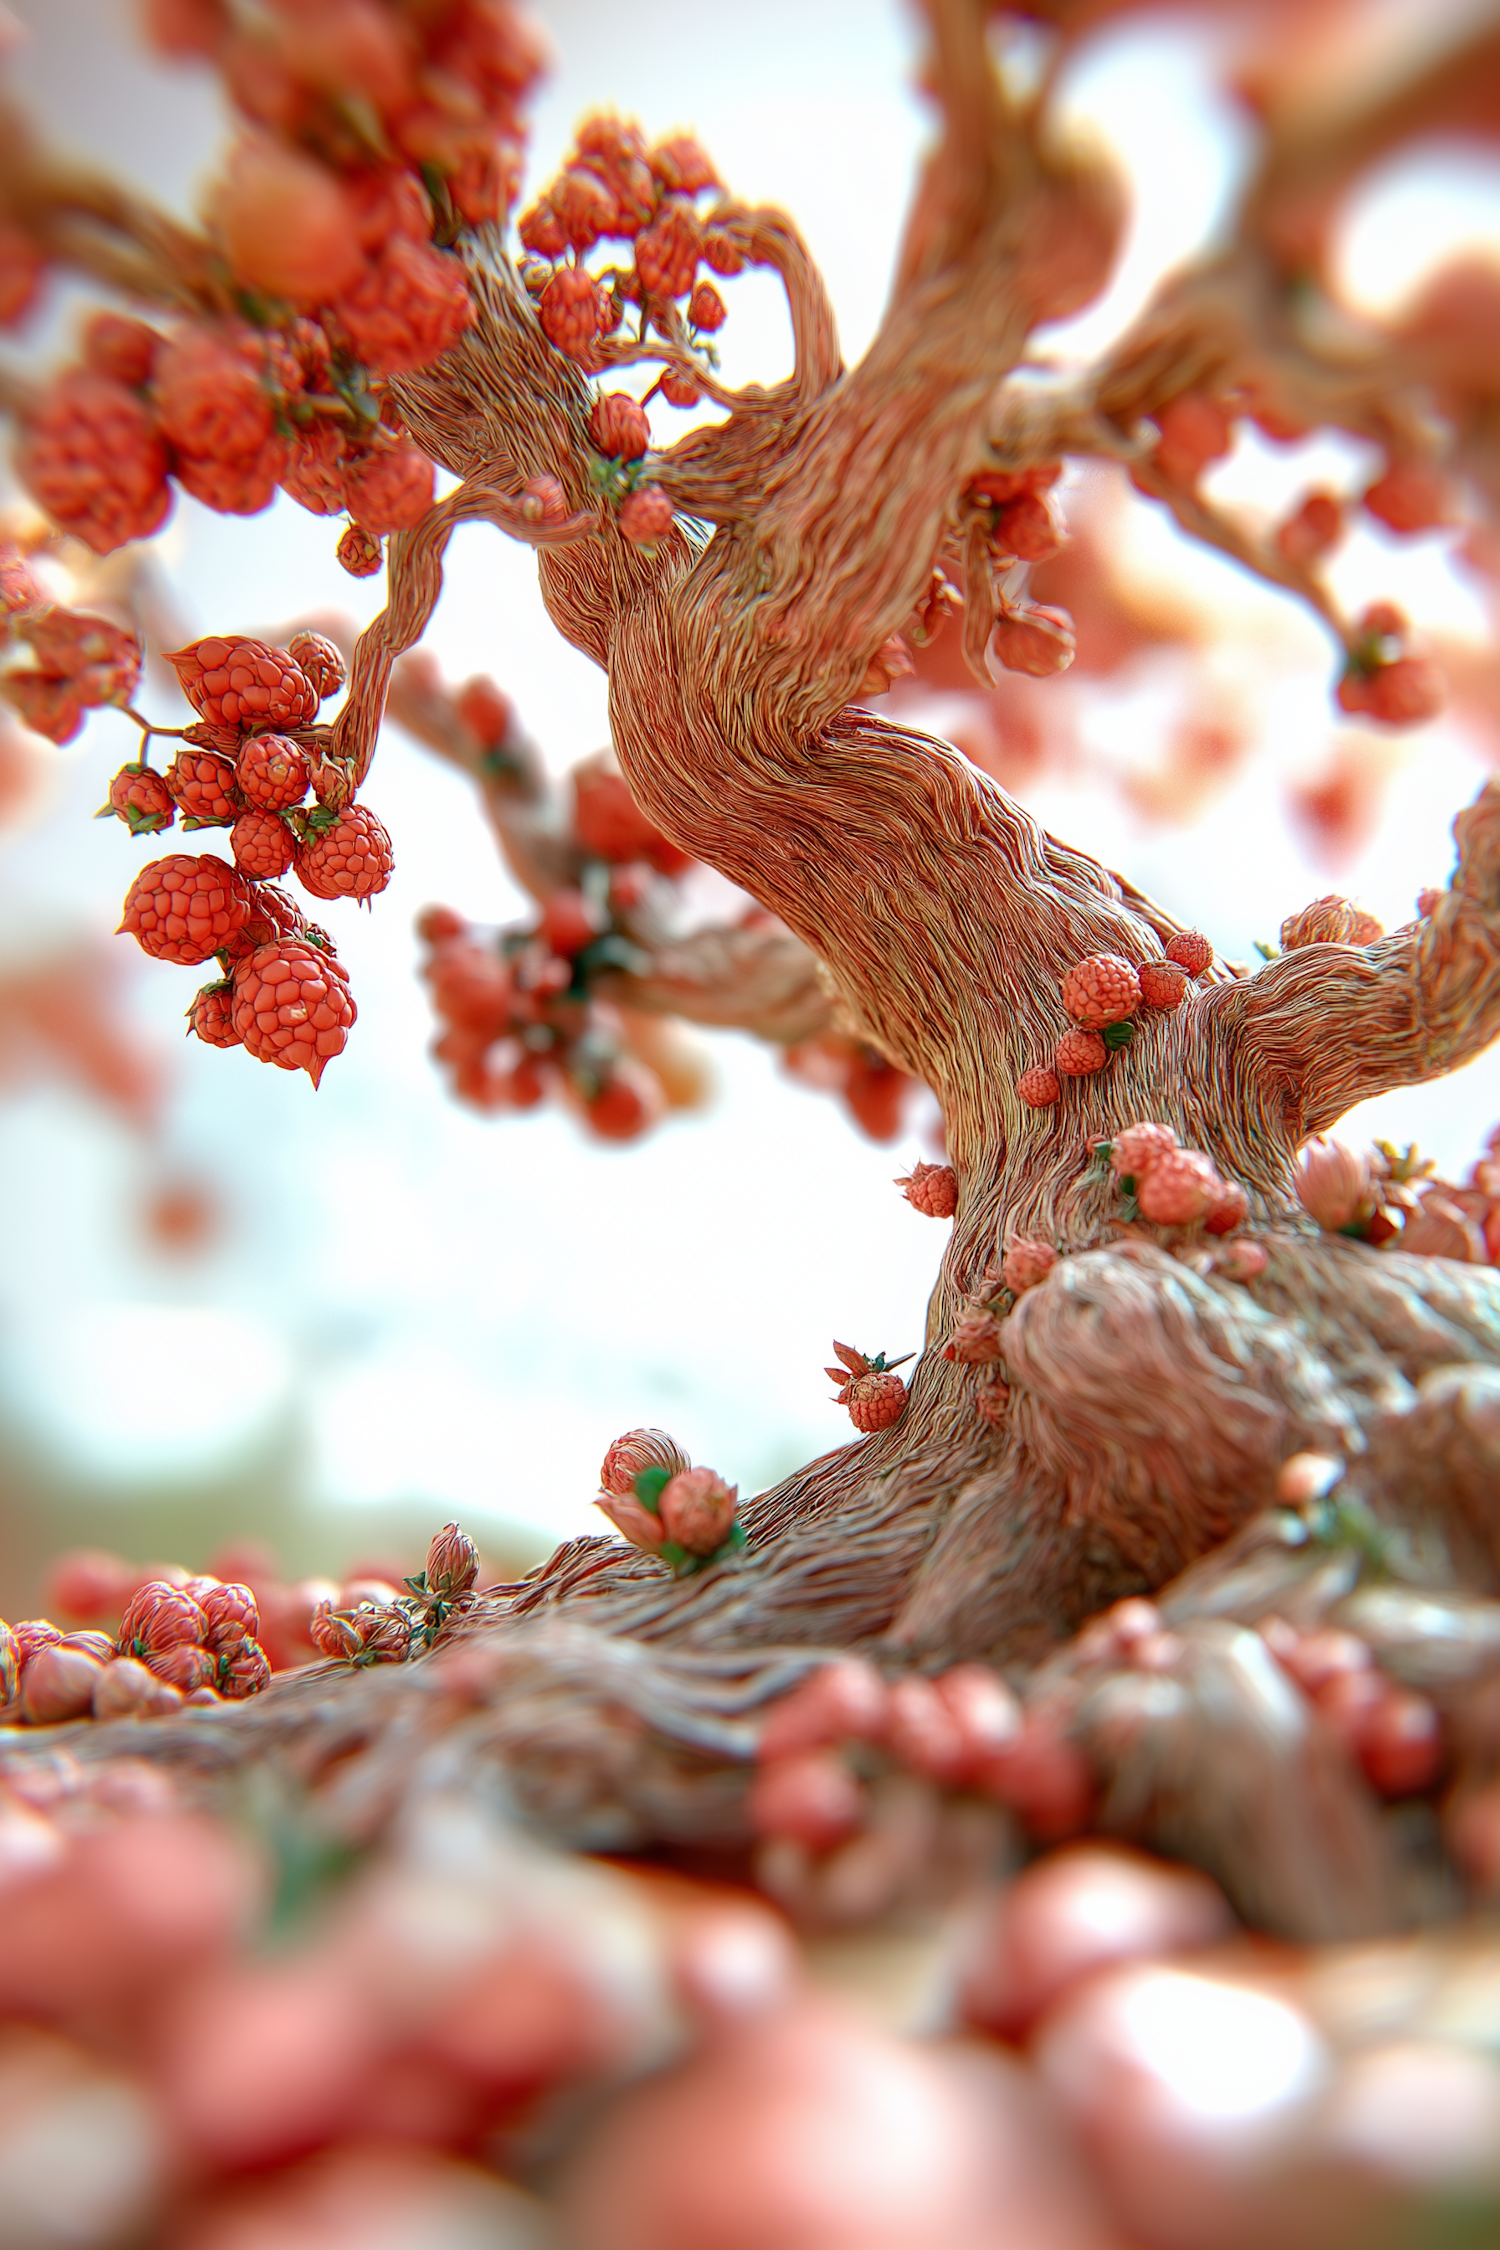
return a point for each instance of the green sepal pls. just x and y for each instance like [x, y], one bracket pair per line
[649, 1486]
[1267, 952]
[1118, 1035]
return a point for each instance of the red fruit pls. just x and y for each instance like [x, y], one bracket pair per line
[101, 660]
[320, 662]
[975, 1341]
[208, 397]
[679, 389]
[91, 456]
[1026, 1263]
[211, 1016]
[230, 1616]
[1078, 1054]
[1194, 431]
[349, 857]
[931, 1189]
[89, 1584]
[707, 311]
[471, 987]
[1102, 989]
[390, 491]
[1163, 983]
[542, 231]
[1036, 640]
[583, 208]
[922, 1733]
[618, 427]
[234, 488]
[1044, 1779]
[638, 1450]
[291, 1006]
[47, 705]
[1316, 527]
[543, 500]
[1410, 498]
[697, 1510]
[486, 712]
[1039, 1087]
[124, 348]
[572, 312]
[1400, 1744]
[570, 922]
[159, 1616]
[1229, 1209]
[19, 590]
[287, 224]
[140, 797]
[241, 684]
[875, 1401]
[31, 1634]
[262, 845]
[1027, 529]
[184, 909]
[203, 785]
[814, 1799]
[244, 1671]
[666, 255]
[126, 1689]
[610, 825]
[1403, 694]
[1137, 1147]
[846, 1701]
[314, 472]
[272, 773]
[359, 552]
[628, 1102]
[985, 1711]
[184, 1666]
[1178, 1188]
[58, 1684]
[723, 253]
[1190, 950]
[646, 515]
[681, 166]
[452, 1563]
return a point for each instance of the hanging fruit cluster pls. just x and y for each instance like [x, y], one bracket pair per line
[57, 664]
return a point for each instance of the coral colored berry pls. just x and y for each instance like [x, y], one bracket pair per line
[183, 1666]
[272, 773]
[318, 659]
[236, 487]
[159, 1616]
[230, 1616]
[1315, 528]
[876, 1401]
[723, 253]
[139, 796]
[572, 312]
[314, 472]
[706, 309]
[287, 224]
[1163, 983]
[390, 491]
[1410, 498]
[679, 389]
[57, 1685]
[1038, 1087]
[646, 515]
[126, 349]
[292, 1006]
[1191, 950]
[1404, 694]
[241, 684]
[92, 456]
[211, 1016]
[203, 785]
[1229, 1209]
[359, 552]
[931, 1189]
[1026, 1263]
[243, 1671]
[1137, 1147]
[350, 857]
[184, 909]
[975, 1341]
[407, 308]
[812, 1799]
[697, 1510]
[1102, 989]
[666, 255]
[1178, 1188]
[262, 845]
[636, 1451]
[1078, 1054]
[1035, 639]
[208, 397]
[618, 427]
[570, 922]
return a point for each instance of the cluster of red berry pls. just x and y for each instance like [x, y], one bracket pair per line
[1104, 994]
[1170, 1186]
[77, 662]
[1017, 521]
[249, 764]
[657, 1500]
[380, 131]
[192, 1641]
[1383, 679]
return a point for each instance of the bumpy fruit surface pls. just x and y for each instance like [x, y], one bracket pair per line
[243, 1671]
[139, 796]
[230, 1616]
[1102, 989]
[272, 773]
[211, 1016]
[452, 1563]
[234, 488]
[1191, 950]
[208, 396]
[350, 858]
[1026, 1263]
[1078, 1054]
[319, 660]
[618, 427]
[646, 516]
[931, 1189]
[697, 1510]
[241, 685]
[1230, 1209]
[203, 785]
[875, 1402]
[359, 552]
[1137, 1146]
[407, 308]
[666, 255]
[92, 457]
[572, 311]
[185, 909]
[975, 1341]
[390, 491]
[183, 1666]
[1163, 983]
[1038, 1087]
[292, 1006]
[1178, 1188]
[159, 1616]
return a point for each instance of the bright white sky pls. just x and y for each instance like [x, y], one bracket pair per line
[415, 1309]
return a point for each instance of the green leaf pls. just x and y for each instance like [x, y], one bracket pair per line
[1117, 1035]
[649, 1486]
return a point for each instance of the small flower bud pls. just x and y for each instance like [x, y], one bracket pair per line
[127, 1689]
[1026, 1263]
[230, 1616]
[697, 1509]
[452, 1563]
[632, 1521]
[244, 1671]
[813, 1798]
[184, 1666]
[58, 1684]
[1334, 1185]
[637, 1450]
[158, 1617]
